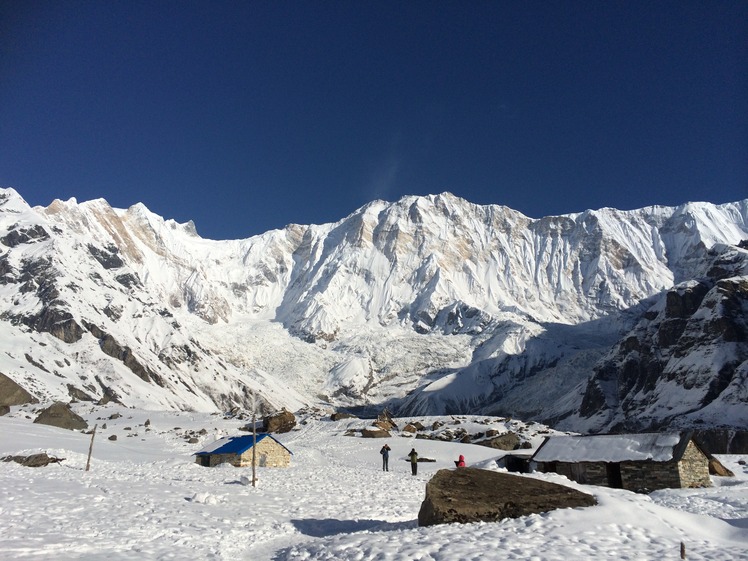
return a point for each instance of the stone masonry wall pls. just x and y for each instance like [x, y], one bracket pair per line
[217, 459]
[269, 454]
[643, 477]
[694, 468]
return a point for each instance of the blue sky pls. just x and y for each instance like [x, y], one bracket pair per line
[247, 116]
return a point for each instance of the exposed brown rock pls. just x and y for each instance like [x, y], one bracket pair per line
[13, 394]
[374, 433]
[472, 495]
[279, 423]
[60, 415]
[716, 468]
[385, 420]
[508, 441]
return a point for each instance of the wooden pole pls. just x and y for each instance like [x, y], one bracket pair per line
[682, 550]
[90, 448]
[254, 441]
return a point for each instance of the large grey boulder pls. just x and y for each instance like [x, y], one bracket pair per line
[472, 495]
[60, 415]
[13, 394]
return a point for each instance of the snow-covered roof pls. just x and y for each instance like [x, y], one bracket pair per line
[234, 445]
[658, 447]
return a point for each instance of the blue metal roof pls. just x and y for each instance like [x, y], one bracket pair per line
[234, 445]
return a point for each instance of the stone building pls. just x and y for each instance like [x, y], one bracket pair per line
[637, 462]
[237, 451]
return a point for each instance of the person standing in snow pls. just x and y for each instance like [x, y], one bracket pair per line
[385, 451]
[413, 461]
[461, 462]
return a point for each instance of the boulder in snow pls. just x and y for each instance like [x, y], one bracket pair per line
[374, 432]
[280, 422]
[60, 415]
[34, 460]
[472, 495]
[508, 441]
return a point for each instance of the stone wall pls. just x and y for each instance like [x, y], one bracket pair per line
[643, 477]
[269, 454]
[217, 459]
[596, 473]
[590, 473]
[694, 468]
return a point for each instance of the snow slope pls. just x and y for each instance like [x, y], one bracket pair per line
[145, 498]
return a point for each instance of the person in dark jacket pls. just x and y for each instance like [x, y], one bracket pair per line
[385, 451]
[413, 461]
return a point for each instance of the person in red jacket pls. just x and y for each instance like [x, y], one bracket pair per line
[461, 462]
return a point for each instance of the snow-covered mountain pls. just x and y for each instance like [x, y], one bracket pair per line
[430, 305]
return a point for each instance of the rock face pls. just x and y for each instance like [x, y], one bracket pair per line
[472, 495]
[281, 422]
[60, 415]
[13, 394]
[722, 441]
[692, 340]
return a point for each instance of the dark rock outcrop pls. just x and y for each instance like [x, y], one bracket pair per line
[60, 415]
[107, 257]
[472, 495]
[704, 317]
[340, 416]
[20, 236]
[111, 347]
[80, 395]
[56, 321]
[722, 441]
[13, 394]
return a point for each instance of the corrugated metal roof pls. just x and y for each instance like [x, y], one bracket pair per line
[658, 447]
[234, 445]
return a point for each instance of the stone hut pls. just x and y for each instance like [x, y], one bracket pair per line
[237, 451]
[637, 462]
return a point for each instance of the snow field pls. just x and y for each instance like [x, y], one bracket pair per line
[145, 498]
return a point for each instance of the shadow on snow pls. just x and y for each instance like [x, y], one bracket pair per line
[331, 526]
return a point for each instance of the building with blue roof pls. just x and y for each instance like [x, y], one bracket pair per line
[237, 451]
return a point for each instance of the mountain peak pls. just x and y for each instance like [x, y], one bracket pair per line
[501, 310]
